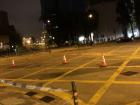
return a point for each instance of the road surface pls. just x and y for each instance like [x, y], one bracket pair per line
[116, 84]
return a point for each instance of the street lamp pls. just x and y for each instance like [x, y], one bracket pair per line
[90, 16]
[48, 21]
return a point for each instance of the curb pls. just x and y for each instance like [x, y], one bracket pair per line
[34, 94]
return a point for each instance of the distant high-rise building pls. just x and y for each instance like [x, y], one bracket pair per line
[4, 23]
[66, 17]
[53, 6]
[8, 34]
[48, 7]
[4, 27]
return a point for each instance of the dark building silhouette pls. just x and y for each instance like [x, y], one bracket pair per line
[67, 18]
[8, 34]
[48, 7]
[108, 27]
[61, 6]
[4, 27]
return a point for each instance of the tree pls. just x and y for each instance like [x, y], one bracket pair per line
[124, 10]
[137, 12]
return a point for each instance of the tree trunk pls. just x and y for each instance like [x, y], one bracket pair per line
[124, 29]
[132, 29]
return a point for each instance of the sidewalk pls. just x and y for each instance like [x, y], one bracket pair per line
[16, 96]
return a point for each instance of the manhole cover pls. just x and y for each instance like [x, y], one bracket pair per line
[47, 99]
[31, 93]
[129, 73]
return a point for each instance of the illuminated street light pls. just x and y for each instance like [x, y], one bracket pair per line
[1, 45]
[92, 35]
[48, 21]
[28, 41]
[81, 38]
[90, 16]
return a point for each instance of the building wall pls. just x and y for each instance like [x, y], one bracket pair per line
[52, 6]
[4, 23]
[107, 27]
[4, 27]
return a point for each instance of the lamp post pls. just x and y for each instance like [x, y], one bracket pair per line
[45, 38]
[90, 16]
[90, 23]
[46, 34]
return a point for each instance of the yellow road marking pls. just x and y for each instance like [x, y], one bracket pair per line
[5, 73]
[132, 66]
[61, 68]
[44, 69]
[94, 100]
[77, 68]
[49, 68]
[127, 82]
[67, 97]
[12, 71]
[111, 67]
[97, 67]
[63, 96]
[82, 103]
[136, 57]
[134, 103]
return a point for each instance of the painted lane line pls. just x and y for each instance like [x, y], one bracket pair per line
[59, 77]
[127, 82]
[64, 96]
[31, 74]
[95, 99]
[9, 72]
[77, 68]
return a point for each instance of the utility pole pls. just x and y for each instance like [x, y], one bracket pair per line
[75, 94]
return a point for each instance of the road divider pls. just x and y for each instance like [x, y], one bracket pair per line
[33, 87]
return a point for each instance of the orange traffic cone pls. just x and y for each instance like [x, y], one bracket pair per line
[64, 60]
[103, 63]
[13, 63]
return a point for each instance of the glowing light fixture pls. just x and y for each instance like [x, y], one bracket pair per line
[81, 38]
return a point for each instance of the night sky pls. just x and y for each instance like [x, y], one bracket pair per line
[24, 15]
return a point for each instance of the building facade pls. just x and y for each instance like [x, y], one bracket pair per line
[4, 27]
[8, 34]
[108, 28]
[63, 18]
